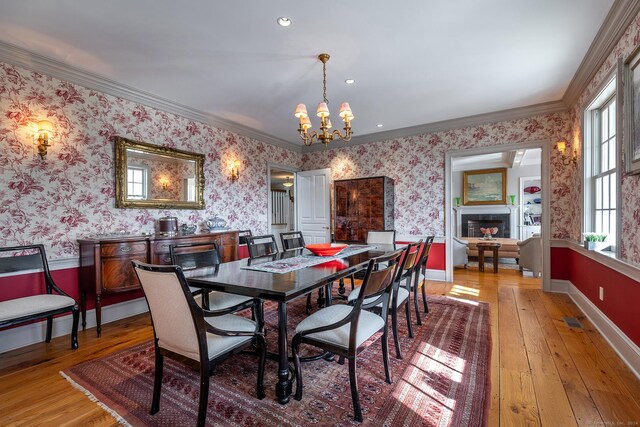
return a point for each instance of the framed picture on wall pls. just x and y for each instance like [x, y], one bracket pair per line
[485, 187]
[631, 106]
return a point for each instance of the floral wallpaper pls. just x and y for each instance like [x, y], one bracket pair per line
[416, 165]
[630, 184]
[71, 194]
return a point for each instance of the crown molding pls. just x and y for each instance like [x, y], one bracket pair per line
[32, 61]
[462, 122]
[615, 24]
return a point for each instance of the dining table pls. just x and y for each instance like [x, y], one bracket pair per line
[236, 277]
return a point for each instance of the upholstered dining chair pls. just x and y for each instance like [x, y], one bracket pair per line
[45, 304]
[193, 256]
[260, 246]
[419, 274]
[182, 330]
[384, 237]
[401, 292]
[342, 329]
[291, 240]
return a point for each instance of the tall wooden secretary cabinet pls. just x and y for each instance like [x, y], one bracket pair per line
[361, 205]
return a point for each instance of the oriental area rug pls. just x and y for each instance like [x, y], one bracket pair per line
[443, 380]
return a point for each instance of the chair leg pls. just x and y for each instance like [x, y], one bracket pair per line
[407, 311]
[415, 306]
[74, 328]
[262, 346]
[49, 328]
[295, 346]
[353, 285]
[157, 383]
[394, 328]
[205, 300]
[204, 395]
[385, 355]
[308, 307]
[257, 313]
[353, 380]
[424, 297]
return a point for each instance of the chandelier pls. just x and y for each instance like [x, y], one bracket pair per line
[324, 135]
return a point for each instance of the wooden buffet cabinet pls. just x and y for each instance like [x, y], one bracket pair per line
[105, 262]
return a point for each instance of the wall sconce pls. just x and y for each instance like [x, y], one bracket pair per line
[562, 148]
[45, 130]
[164, 182]
[235, 170]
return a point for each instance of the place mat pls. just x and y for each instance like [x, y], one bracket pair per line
[303, 261]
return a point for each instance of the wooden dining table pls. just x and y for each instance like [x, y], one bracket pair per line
[231, 277]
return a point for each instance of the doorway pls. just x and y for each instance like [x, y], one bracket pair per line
[281, 201]
[520, 160]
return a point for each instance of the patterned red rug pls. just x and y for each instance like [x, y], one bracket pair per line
[443, 380]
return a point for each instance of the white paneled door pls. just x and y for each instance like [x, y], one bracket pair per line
[313, 204]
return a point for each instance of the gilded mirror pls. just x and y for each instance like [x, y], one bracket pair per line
[150, 176]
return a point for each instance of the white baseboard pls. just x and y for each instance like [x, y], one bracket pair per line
[626, 349]
[560, 286]
[32, 333]
[436, 275]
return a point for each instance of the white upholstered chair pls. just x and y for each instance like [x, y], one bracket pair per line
[460, 248]
[182, 330]
[384, 237]
[531, 255]
[342, 329]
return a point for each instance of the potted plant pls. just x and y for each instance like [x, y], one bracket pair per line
[595, 241]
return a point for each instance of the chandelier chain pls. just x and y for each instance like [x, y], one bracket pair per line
[324, 83]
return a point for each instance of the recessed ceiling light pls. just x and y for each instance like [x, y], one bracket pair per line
[283, 21]
[379, 125]
[350, 81]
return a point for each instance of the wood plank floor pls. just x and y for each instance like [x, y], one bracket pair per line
[542, 372]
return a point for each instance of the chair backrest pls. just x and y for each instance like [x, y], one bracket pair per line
[384, 237]
[292, 240]
[242, 236]
[28, 258]
[424, 253]
[260, 246]
[178, 324]
[195, 255]
[377, 281]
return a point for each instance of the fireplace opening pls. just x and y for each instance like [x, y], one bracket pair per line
[471, 224]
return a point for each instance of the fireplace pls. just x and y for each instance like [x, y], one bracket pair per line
[472, 223]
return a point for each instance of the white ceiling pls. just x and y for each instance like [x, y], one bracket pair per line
[415, 62]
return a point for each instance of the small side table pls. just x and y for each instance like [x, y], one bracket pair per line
[489, 246]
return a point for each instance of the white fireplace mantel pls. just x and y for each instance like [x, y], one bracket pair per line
[487, 209]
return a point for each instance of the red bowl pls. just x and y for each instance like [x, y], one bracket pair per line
[326, 249]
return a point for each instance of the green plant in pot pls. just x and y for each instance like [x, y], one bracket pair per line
[595, 241]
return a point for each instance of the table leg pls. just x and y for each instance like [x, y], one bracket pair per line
[495, 260]
[283, 386]
[481, 259]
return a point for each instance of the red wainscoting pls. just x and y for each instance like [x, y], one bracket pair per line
[436, 259]
[67, 279]
[621, 293]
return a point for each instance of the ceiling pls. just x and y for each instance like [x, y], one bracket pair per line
[503, 159]
[414, 63]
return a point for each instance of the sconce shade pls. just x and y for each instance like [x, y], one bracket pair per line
[45, 126]
[562, 146]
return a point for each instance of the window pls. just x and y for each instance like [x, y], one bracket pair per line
[601, 164]
[137, 178]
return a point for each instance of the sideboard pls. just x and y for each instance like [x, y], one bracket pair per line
[105, 262]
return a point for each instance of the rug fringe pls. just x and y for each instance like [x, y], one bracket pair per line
[94, 399]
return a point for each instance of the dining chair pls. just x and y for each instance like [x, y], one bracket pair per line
[292, 240]
[193, 256]
[342, 329]
[383, 237]
[31, 300]
[400, 292]
[243, 251]
[420, 273]
[260, 246]
[183, 330]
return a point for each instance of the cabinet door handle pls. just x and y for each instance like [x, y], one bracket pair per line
[164, 246]
[125, 249]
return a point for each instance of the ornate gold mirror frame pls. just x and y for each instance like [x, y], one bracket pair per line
[164, 178]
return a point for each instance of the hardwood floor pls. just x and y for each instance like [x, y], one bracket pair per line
[542, 371]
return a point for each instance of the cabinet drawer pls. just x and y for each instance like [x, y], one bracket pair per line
[229, 239]
[109, 250]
